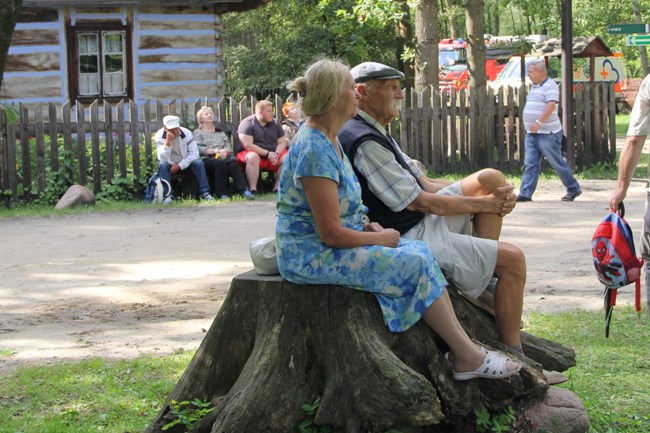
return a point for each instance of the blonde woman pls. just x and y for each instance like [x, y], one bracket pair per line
[323, 236]
[220, 163]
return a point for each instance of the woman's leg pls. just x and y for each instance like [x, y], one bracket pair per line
[441, 318]
[237, 175]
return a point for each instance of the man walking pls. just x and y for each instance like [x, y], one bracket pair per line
[544, 135]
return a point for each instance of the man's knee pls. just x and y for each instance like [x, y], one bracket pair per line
[252, 158]
[491, 177]
[511, 260]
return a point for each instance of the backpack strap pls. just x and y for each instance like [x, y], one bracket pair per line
[637, 286]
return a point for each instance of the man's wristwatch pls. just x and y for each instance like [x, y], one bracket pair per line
[538, 122]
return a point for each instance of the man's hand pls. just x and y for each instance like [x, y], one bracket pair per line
[615, 198]
[175, 168]
[508, 198]
[169, 138]
[274, 157]
[372, 227]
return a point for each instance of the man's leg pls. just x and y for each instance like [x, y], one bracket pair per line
[550, 145]
[252, 170]
[531, 167]
[164, 169]
[645, 246]
[509, 293]
[483, 182]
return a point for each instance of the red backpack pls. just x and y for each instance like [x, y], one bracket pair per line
[615, 260]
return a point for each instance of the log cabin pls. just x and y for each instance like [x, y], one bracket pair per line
[82, 50]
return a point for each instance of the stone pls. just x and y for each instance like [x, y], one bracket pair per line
[560, 412]
[76, 195]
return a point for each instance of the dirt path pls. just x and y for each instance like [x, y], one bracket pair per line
[123, 284]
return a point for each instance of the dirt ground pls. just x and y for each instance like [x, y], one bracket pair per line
[119, 285]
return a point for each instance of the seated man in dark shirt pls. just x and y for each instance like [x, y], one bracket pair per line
[264, 145]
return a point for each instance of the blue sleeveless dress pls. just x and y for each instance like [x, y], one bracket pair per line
[405, 280]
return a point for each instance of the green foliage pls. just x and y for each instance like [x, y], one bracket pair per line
[268, 47]
[10, 111]
[307, 426]
[58, 181]
[500, 422]
[188, 413]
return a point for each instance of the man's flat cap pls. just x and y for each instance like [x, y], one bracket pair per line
[374, 71]
[171, 122]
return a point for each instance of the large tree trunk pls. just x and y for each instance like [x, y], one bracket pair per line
[426, 45]
[275, 346]
[477, 82]
[404, 35]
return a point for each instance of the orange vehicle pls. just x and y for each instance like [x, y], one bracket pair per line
[452, 59]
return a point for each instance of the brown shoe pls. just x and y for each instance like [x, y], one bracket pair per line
[554, 377]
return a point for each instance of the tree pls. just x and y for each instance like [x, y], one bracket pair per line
[426, 46]
[475, 43]
[271, 45]
[9, 11]
[276, 346]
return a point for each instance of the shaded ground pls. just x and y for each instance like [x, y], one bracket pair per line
[123, 284]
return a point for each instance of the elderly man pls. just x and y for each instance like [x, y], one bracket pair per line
[461, 222]
[262, 138]
[544, 135]
[177, 152]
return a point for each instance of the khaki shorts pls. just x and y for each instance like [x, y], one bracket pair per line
[466, 260]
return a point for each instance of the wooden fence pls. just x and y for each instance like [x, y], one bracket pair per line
[457, 132]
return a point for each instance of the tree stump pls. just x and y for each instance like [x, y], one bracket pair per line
[275, 346]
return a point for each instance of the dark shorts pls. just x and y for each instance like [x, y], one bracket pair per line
[265, 164]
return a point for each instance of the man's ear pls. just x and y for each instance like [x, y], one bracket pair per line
[361, 89]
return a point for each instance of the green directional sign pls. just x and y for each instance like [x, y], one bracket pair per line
[636, 40]
[622, 29]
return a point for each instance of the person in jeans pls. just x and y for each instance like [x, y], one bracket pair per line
[544, 135]
[177, 152]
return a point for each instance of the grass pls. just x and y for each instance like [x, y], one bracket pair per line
[20, 210]
[612, 378]
[612, 375]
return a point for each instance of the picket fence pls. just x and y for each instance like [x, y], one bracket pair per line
[448, 132]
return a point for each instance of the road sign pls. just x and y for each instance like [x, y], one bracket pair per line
[622, 29]
[636, 40]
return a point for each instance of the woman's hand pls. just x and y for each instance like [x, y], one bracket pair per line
[388, 238]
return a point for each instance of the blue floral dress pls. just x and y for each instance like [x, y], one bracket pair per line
[406, 280]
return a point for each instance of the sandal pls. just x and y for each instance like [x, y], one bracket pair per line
[450, 361]
[492, 367]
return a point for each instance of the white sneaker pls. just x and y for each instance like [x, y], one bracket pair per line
[207, 197]
[168, 200]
